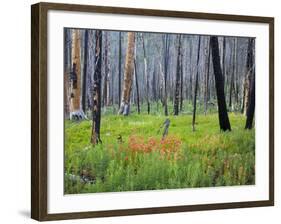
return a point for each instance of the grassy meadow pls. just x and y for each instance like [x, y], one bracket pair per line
[133, 156]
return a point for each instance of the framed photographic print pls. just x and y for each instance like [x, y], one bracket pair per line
[139, 111]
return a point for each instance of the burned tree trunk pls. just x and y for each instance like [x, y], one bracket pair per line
[165, 127]
[106, 93]
[75, 105]
[251, 107]
[146, 75]
[207, 71]
[84, 95]
[181, 80]
[67, 65]
[196, 85]
[223, 61]
[153, 85]
[136, 80]
[177, 87]
[128, 74]
[166, 57]
[223, 116]
[251, 95]
[232, 87]
[190, 73]
[95, 137]
[137, 87]
[249, 75]
[119, 70]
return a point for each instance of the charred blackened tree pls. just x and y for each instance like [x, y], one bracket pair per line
[223, 116]
[128, 75]
[223, 60]
[196, 86]
[95, 137]
[252, 95]
[178, 79]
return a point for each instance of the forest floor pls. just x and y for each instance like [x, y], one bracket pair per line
[133, 155]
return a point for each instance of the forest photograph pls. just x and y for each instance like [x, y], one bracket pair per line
[153, 111]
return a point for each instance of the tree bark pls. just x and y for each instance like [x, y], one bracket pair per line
[251, 107]
[207, 75]
[190, 74]
[249, 74]
[84, 95]
[119, 70]
[75, 104]
[146, 76]
[181, 79]
[196, 85]
[95, 137]
[177, 86]
[166, 58]
[251, 95]
[106, 93]
[223, 116]
[223, 61]
[67, 65]
[136, 80]
[232, 87]
[128, 74]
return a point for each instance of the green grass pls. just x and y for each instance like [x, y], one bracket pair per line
[204, 158]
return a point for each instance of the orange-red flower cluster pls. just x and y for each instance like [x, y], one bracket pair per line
[138, 144]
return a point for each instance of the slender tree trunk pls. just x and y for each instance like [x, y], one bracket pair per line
[231, 87]
[196, 85]
[207, 69]
[137, 88]
[223, 116]
[223, 61]
[106, 93]
[166, 58]
[66, 95]
[119, 70]
[177, 87]
[153, 85]
[136, 80]
[128, 74]
[67, 65]
[181, 80]
[190, 74]
[95, 137]
[85, 68]
[236, 79]
[146, 75]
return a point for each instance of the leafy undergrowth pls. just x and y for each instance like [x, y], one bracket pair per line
[133, 155]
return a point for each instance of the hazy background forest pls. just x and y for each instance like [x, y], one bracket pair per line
[148, 111]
